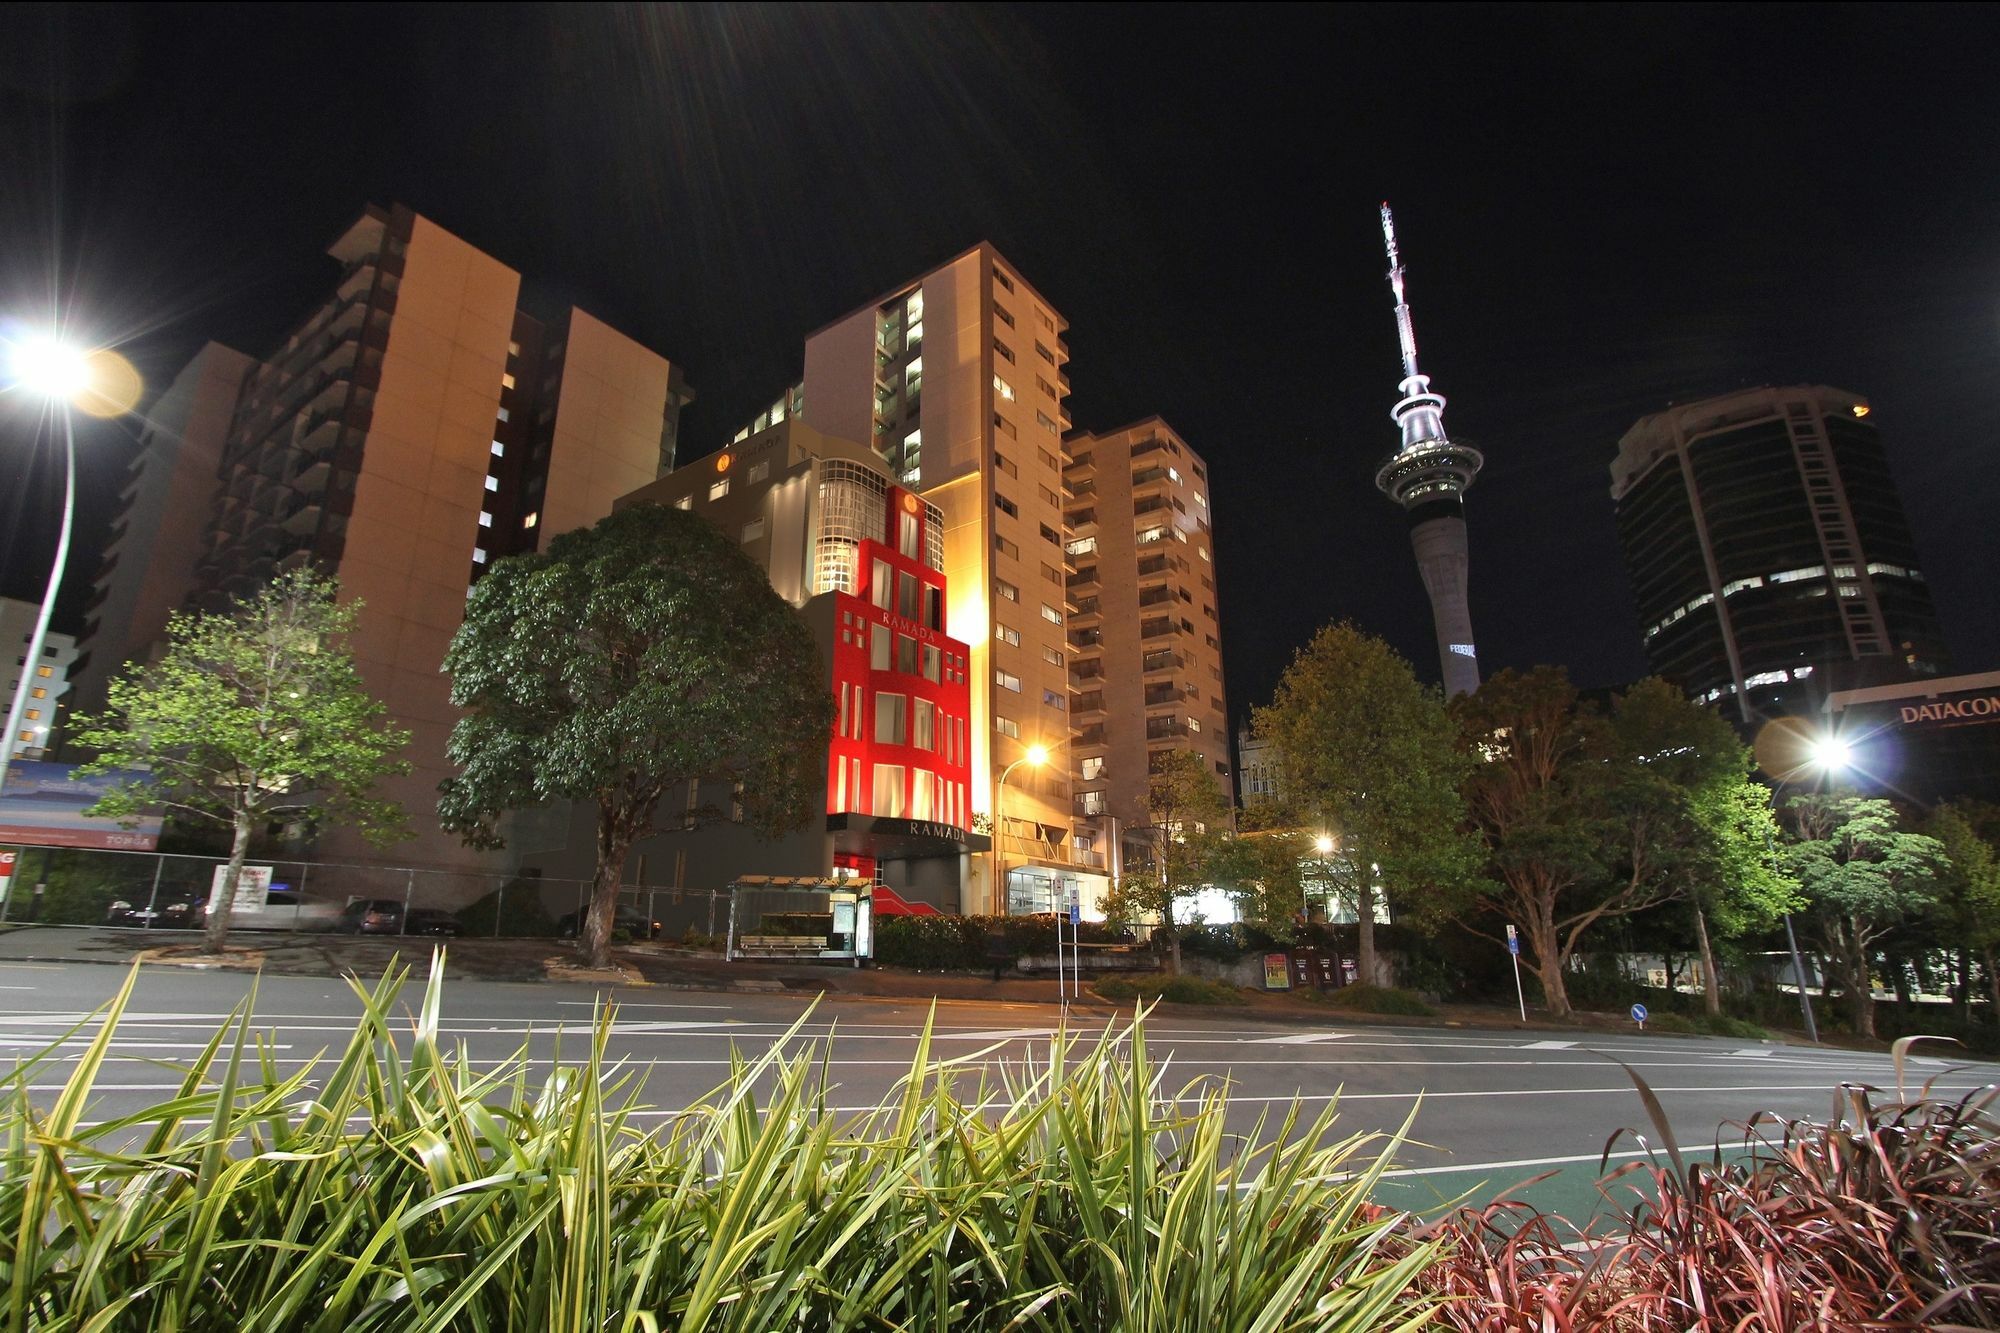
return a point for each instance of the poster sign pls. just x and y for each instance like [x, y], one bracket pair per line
[1277, 972]
[253, 888]
[7, 861]
[42, 805]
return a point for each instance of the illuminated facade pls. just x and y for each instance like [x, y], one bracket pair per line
[1144, 639]
[955, 381]
[863, 559]
[1766, 545]
[44, 681]
[1428, 476]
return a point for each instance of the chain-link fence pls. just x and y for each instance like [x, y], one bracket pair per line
[169, 891]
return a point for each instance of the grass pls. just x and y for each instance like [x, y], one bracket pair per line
[394, 1183]
[1713, 1025]
[1375, 1000]
[1174, 990]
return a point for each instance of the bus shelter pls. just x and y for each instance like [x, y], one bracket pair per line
[846, 934]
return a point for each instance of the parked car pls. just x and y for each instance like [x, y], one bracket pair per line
[372, 916]
[177, 912]
[284, 909]
[630, 921]
[432, 921]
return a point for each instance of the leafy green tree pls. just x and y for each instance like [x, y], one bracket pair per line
[1266, 872]
[1369, 755]
[637, 655]
[1966, 917]
[1863, 876]
[251, 716]
[1733, 888]
[1191, 833]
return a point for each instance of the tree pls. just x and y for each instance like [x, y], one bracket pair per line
[1191, 833]
[1589, 817]
[251, 716]
[1967, 911]
[1863, 877]
[1368, 754]
[1733, 888]
[640, 654]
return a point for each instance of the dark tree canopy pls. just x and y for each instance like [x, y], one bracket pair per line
[640, 653]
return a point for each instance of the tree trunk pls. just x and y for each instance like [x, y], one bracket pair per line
[216, 929]
[1860, 989]
[1711, 985]
[1961, 990]
[1549, 964]
[594, 940]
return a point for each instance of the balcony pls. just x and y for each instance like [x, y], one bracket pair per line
[1084, 608]
[1156, 629]
[1161, 693]
[1083, 578]
[1081, 522]
[1156, 596]
[301, 516]
[1160, 661]
[1090, 735]
[1083, 639]
[1087, 703]
[1093, 669]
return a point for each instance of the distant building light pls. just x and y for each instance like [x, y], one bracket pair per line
[1861, 409]
[1464, 650]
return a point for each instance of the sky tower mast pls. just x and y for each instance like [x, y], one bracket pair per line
[1429, 476]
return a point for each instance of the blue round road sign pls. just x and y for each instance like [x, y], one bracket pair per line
[1638, 1013]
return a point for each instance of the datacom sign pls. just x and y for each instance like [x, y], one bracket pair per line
[42, 805]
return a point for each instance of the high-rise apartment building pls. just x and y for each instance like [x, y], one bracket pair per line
[1144, 638]
[863, 560]
[1767, 546]
[413, 426]
[45, 680]
[956, 379]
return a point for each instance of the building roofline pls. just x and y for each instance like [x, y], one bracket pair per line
[977, 247]
[1928, 688]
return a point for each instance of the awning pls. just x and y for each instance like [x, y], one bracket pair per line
[901, 839]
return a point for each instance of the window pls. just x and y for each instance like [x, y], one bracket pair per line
[1006, 634]
[1005, 547]
[1092, 768]
[498, 450]
[1005, 352]
[909, 535]
[1049, 497]
[485, 519]
[1043, 420]
[1001, 462]
[1045, 386]
[913, 378]
[1081, 546]
[1194, 724]
[1052, 574]
[933, 660]
[492, 483]
[1050, 535]
[505, 415]
[1044, 352]
[1090, 802]
[1006, 506]
[879, 585]
[1003, 426]
[718, 490]
[1007, 726]
[913, 445]
[1005, 318]
[906, 654]
[1052, 656]
[760, 471]
[909, 601]
[1003, 388]
[1006, 680]
[753, 530]
[1004, 281]
[889, 721]
[1050, 614]
[1054, 699]
[878, 647]
[685, 502]
[1004, 589]
[506, 381]
[889, 791]
[478, 558]
[531, 520]
[933, 608]
[38, 693]
[923, 724]
[33, 715]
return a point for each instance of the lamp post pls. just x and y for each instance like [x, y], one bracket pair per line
[98, 383]
[1829, 755]
[1036, 756]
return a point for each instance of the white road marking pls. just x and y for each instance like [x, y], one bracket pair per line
[1758, 1052]
[997, 1034]
[1302, 1039]
[1509, 1165]
[1549, 1046]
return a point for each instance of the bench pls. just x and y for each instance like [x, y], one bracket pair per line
[781, 946]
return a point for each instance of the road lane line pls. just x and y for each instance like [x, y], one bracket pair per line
[1550, 1046]
[1303, 1039]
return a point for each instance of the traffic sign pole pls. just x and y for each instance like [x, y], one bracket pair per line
[1514, 952]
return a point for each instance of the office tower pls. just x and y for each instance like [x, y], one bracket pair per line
[956, 380]
[1428, 476]
[1766, 544]
[146, 573]
[1144, 642]
[46, 680]
[863, 559]
[414, 425]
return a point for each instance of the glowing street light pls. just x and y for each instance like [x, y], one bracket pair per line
[1323, 845]
[1036, 756]
[98, 383]
[1788, 749]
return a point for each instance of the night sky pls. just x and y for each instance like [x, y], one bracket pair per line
[1603, 211]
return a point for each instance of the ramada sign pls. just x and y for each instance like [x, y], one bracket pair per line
[1953, 712]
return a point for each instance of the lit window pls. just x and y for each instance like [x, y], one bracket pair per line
[1194, 723]
[37, 693]
[1042, 420]
[889, 719]
[505, 415]
[1050, 614]
[506, 381]
[685, 502]
[493, 483]
[27, 735]
[1007, 726]
[498, 450]
[1006, 680]
[878, 647]
[513, 348]
[760, 471]
[1055, 700]
[1731, 589]
[33, 715]
[1003, 388]
[889, 791]
[1092, 769]
[1006, 634]
[753, 530]
[532, 519]
[478, 555]
[1007, 590]
[1052, 656]
[44, 672]
[485, 519]
[718, 489]
[923, 724]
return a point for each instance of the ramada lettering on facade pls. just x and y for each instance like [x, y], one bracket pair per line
[862, 558]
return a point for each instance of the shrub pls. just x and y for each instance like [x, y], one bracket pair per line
[401, 1185]
[974, 943]
[1160, 986]
[1376, 1000]
[794, 923]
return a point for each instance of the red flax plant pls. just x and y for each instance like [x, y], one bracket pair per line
[1887, 1216]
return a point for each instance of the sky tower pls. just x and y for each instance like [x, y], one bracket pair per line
[1428, 476]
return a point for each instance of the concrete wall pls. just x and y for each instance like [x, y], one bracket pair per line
[609, 415]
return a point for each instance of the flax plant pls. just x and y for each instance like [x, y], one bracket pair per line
[392, 1184]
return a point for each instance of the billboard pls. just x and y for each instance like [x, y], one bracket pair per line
[42, 805]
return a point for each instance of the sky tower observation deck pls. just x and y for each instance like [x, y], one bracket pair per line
[1429, 476]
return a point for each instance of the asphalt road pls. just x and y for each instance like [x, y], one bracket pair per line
[1494, 1108]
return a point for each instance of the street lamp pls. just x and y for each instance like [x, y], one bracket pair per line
[97, 383]
[1036, 756]
[1824, 756]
